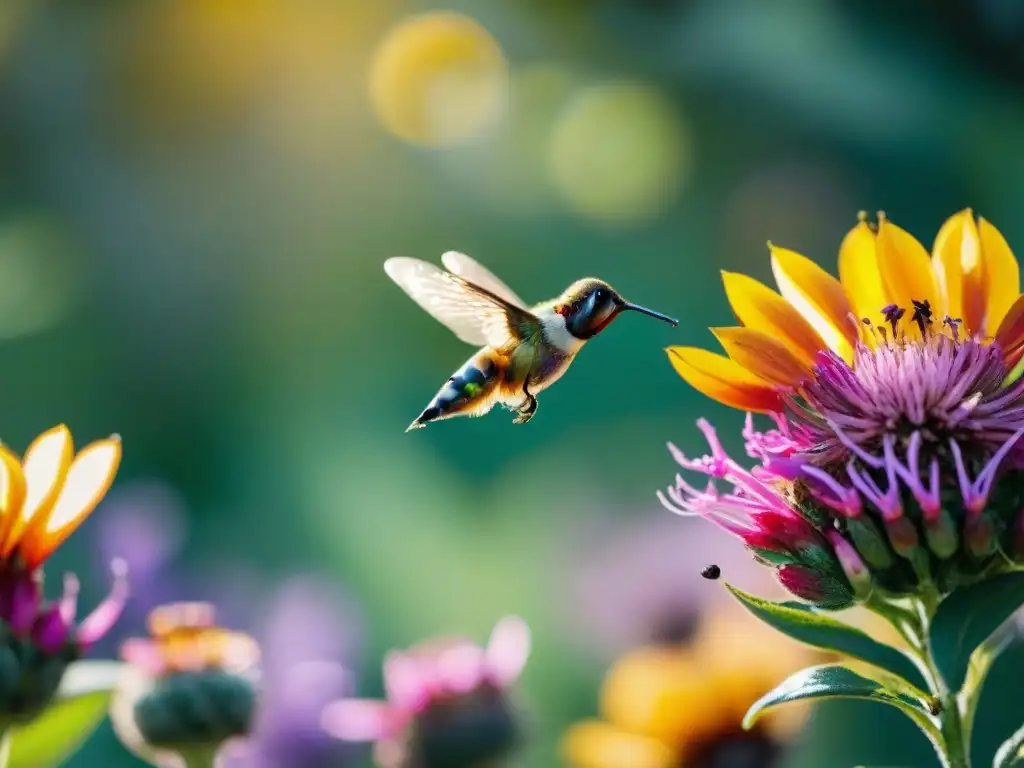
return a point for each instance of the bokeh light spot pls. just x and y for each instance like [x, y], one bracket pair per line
[37, 276]
[438, 79]
[508, 171]
[619, 153]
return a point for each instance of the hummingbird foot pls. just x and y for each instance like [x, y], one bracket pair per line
[527, 409]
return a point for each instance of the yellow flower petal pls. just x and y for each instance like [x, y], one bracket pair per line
[759, 307]
[859, 273]
[664, 694]
[907, 272]
[947, 259]
[1002, 274]
[45, 465]
[818, 297]
[88, 479]
[723, 380]
[595, 744]
[763, 356]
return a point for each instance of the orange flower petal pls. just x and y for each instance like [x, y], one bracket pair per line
[1010, 336]
[763, 356]
[88, 479]
[818, 297]
[12, 490]
[947, 259]
[1002, 274]
[859, 273]
[45, 465]
[759, 307]
[906, 271]
[723, 380]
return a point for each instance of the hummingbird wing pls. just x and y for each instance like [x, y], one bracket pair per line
[474, 314]
[474, 272]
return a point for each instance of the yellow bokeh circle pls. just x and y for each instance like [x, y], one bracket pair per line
[619, 153]
[438, 79]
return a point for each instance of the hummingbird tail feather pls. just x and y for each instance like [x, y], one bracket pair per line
[471, 391]
[431, 413]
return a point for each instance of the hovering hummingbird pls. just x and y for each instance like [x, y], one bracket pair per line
[523, 349]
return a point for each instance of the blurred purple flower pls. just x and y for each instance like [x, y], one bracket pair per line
[307, 638]
[143, 524]
[637, 579]
[308, 630]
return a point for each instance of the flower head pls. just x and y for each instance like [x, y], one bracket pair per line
[307, 630]
[447, 703]
[189, 688]
[666, 707]
[43, 498]
[891, 431]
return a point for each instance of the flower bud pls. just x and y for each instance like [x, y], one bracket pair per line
[903, 536]
[190, 687]
[856, 571]
[869, 542]
[824, 591]
[979, 535]
[941, 535]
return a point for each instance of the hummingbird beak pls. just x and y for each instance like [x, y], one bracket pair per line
[649, 312]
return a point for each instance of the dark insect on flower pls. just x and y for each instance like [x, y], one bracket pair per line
[447, 703]
[897, 457]
[711, 572]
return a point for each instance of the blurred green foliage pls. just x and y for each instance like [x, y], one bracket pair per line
[219, 186]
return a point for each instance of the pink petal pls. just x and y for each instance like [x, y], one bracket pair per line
[144, 654]
[508, 649]
[362, 720]
[461, 669]
[404, 681]
[106, 614]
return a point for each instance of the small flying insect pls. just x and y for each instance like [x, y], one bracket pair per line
[711, 572]
[523, 350]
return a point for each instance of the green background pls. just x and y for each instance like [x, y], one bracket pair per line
[192, 227]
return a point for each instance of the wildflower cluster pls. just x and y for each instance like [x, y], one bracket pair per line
[893, 475]
[881, 468]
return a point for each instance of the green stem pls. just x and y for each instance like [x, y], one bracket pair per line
[5, 748]
[955, 741]
[202, 757]
[955, 713]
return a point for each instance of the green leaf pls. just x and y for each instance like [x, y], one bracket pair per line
[802, 623]
[1009, 752]
[79, 707]
[967, 618]
[834, 681]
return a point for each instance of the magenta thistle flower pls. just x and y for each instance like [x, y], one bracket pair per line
[447, 703]
[897, 451]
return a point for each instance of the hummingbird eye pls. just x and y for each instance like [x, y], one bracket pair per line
[599, 294]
